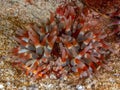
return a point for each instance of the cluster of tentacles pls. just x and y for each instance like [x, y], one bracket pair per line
[72, 41]
[110, 8]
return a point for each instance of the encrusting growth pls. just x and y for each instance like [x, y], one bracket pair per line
[72, 41]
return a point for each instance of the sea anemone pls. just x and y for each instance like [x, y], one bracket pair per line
[110, 8]
[72, 41]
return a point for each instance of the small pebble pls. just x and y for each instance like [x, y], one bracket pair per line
[111, 80]
[1, 86]
[80, 87]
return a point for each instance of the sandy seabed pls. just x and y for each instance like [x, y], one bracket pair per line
[16, 13]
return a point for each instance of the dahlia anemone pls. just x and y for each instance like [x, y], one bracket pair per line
[70, 42]
[110, 8]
